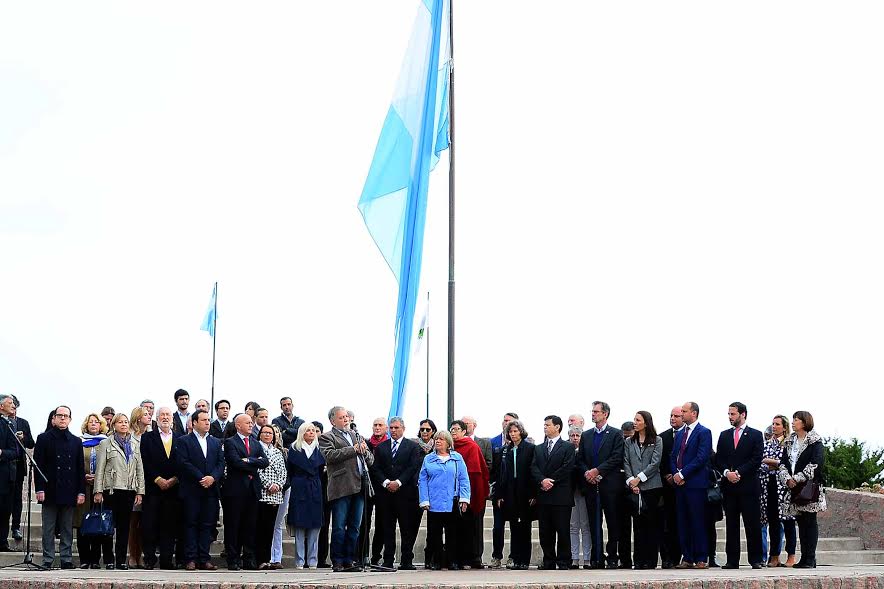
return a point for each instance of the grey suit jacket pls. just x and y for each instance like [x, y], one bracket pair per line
[644, 463]
[487, 452]
[341, 464]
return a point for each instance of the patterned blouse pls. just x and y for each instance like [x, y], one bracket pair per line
[274, 473]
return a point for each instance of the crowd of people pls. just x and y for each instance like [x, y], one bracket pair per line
[169, 477]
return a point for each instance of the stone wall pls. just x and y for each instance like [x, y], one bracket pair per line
[856, 514]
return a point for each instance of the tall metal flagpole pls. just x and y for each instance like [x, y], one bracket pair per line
[214, 338]
[451, 216]
[427, 336]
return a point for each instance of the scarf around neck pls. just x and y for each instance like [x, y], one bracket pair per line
[126, 444]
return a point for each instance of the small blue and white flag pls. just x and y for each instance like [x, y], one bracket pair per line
[211, 313]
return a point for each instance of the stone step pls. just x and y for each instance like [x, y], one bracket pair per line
[835, 555]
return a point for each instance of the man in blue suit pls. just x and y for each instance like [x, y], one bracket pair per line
[691, 452]
[200, 470]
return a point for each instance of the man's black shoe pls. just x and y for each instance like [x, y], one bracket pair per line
[407, 567]
[668, 565]
[323, 565]
[729, 565]
[756, 565]
[547, 567]
[5, 548]
[337, 567]
[477, 564]
[712, 564]
[67, 565]
[612, 565]
[454, 567]
[564, 567]
[234, 566]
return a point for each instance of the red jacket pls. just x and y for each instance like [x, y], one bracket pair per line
[478, 471]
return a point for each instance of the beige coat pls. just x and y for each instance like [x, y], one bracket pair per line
[112, 472]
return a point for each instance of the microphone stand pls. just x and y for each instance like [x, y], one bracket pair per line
[365, 526]
[28, 561]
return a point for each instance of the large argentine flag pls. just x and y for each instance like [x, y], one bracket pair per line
[394, 199]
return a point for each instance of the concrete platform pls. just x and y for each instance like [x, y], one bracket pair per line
[859, 577]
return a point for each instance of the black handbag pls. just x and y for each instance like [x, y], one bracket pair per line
[806, 493]
[456, 503]
[713, 493]
[98, 523]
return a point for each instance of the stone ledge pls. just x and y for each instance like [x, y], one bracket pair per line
[854, 513]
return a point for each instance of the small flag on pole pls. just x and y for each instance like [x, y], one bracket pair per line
[211, 313]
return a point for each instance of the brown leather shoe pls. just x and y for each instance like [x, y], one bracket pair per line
[701, 565]
[191, 566]
[684, 565]
[207, 566]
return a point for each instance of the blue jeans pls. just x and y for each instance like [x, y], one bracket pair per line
[346, 518]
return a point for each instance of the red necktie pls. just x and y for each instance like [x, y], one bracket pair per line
[736, 436]
[246, 442]
[684, 442]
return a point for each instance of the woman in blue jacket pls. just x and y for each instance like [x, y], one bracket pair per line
[305, 465]
[444, 487]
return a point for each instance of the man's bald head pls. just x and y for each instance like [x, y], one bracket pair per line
[243, 423]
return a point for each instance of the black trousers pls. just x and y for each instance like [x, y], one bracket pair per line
[17, 493]
[670, 548]
[603, 504]
[478, 535]
[396, 509]
[121, 504]
[624, 543]
[322, 553]
[554, 523]
[90, 548]
[159, 526]
[747, 506]
[240, 517]
[647, 529]
[5, 512]
[447, 552]
[264, 531]
[808, 534]
[520, 541]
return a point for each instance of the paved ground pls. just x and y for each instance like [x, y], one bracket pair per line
[859, 577]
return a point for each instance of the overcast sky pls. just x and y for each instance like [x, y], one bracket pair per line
[656, 203]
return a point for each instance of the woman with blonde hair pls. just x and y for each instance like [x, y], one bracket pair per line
[119, 480]
[93, 432]
[279, 526]
[305, 464]
[139, 423]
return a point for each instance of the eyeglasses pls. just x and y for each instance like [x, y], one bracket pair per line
[63, 415]
[425, 429]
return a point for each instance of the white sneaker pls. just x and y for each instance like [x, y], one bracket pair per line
[299, 566]
[495, 563]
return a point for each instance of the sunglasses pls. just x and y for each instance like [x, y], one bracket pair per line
[426, 429]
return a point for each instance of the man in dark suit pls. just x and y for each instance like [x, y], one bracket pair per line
[222, 427]
[738, 457]
[600, 459]
[553, 469]
[181, 421]
[670, 548]
[690, 457]
[23, 432]
[241, 492]
[397, 462]
[200, 470]
[160, 509]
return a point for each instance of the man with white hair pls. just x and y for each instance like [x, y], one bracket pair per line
[159, 456]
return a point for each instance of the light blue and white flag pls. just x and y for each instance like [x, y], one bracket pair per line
[209, 319]
[394, 198]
